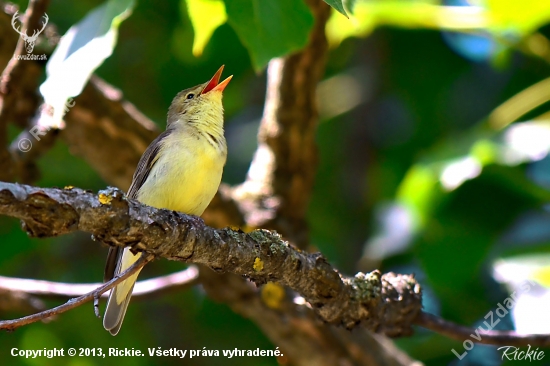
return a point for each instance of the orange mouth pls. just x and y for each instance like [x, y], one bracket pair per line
[213, 83]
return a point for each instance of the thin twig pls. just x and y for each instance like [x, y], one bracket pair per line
[146, 288]
[478, 335]
[385, 303]
[11, 325]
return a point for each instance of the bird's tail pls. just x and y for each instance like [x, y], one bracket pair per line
[119, 298]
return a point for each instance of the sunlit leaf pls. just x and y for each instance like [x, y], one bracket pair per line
[206, 16]
[463, 159]
[524, 267]
[542, 275]
[462, 230]
[450, 165]
[435, 193]
[269, 28]
[418, 191]
[367, 15]
[522, 16]
[82, 50]
[360, 24]
[523, 274]
[506, 19]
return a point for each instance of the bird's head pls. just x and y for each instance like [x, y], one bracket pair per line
[200, 105]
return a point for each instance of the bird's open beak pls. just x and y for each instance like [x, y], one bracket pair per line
[213, 83]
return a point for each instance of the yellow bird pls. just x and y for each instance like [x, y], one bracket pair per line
[181, 170]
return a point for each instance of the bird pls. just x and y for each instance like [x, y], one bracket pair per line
[180, 170]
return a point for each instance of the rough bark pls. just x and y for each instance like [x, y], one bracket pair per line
[103, 121]
[18, 82]
[384, 303]
[278, 187]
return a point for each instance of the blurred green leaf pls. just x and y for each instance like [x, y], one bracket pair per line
[206, 16]
[460, 159]
[418, 190]
[39, 338]
[337, 4]
[80, 52]
[418, 94]
[269, 28]
[454, 245]
[458, 220]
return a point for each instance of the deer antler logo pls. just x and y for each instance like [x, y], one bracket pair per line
[29, 41]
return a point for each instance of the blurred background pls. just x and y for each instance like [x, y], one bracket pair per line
[433, 160]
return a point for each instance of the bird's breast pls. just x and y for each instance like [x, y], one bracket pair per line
[186, 175]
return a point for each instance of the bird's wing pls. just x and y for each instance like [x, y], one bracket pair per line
[146, 163]
[148, 159]
[119, 259]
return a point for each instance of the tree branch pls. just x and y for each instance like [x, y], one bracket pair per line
[18, 84]
[20, 301]
[276, 195]
[280, 180]
[494, 337]
[94, 125]
[102, 124]
[11, 325]
[298, 332]
[387, 304]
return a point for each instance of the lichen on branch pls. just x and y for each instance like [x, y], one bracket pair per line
[384, 303]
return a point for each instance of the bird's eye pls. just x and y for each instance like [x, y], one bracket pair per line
[190, 96]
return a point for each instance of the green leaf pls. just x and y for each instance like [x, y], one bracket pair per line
[337, 4]
[206, 16]
[269, 28]
[80, 52]
[455, 161]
